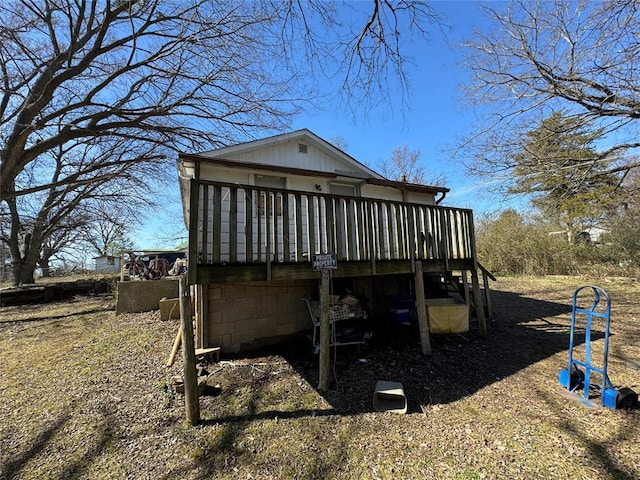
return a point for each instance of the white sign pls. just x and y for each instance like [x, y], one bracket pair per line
[325, 261]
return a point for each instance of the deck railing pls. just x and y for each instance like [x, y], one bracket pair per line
[249, 224]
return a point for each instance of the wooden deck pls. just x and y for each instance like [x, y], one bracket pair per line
[248, 233]
[244, 233]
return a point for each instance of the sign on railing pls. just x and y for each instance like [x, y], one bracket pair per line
[325, 261]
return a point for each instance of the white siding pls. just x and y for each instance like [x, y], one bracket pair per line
[382, 193]
[107, 264]
[287, 155]
[420, 198]
[311, 184]
[217, 173]
[388, 193]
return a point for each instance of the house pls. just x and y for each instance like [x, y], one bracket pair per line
[258, 212]
[107, 263]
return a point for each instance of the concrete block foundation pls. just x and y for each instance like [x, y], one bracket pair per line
[144, 295]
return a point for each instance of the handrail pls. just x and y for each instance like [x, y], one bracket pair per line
[236, 223]
[486, 272]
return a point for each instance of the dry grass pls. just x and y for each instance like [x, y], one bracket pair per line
[84, 395]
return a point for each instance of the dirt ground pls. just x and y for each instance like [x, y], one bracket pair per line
[86, 394]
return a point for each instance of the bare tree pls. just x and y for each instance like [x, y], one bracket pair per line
[339, 142]
[407, 166]
[541, 57]
[45, 216]
[403, 165]
[622, 236]
[64, 237]
[108, 226]
[97, 95]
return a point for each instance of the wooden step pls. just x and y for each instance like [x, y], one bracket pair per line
[203, 352]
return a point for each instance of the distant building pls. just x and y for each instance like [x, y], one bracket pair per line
[107, 264]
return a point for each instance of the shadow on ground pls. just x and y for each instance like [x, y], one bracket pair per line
[523, 332]
[49, 318]
[18, 463]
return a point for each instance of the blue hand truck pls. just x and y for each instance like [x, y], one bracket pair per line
[581, 373]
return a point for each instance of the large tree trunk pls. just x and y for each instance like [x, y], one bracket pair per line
[24, 251]
[23, 273]
[27, 264]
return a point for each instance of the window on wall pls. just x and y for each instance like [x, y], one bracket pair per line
[270, 181]
[346, 189]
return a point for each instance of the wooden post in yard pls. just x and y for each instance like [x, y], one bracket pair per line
[325, 328]
[191, 393]
[176, 346]
[421, 309]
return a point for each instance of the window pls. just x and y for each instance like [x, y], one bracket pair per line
[270, 181]
[346, 189]
[302, 148]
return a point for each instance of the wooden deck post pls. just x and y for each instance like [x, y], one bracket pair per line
[201, 333]
[465, 288]
[421, 308]
[191, 394]
[325, 327]
[477, 299]
[192, 256]
[487, 294]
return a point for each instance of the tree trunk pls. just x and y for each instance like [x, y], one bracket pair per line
[569, 228]
[23, 273]
[24, 251]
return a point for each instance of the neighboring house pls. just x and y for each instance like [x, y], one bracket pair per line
[107, 264]
[257, 212]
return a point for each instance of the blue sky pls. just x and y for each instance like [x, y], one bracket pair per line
[433, 124]
[436, 118]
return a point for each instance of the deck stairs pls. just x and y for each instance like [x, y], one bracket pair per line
[450, 284]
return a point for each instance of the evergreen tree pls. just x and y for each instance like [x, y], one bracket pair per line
[567, 177]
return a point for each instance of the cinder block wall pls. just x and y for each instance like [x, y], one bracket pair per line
[143, 296]
[240, 315]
